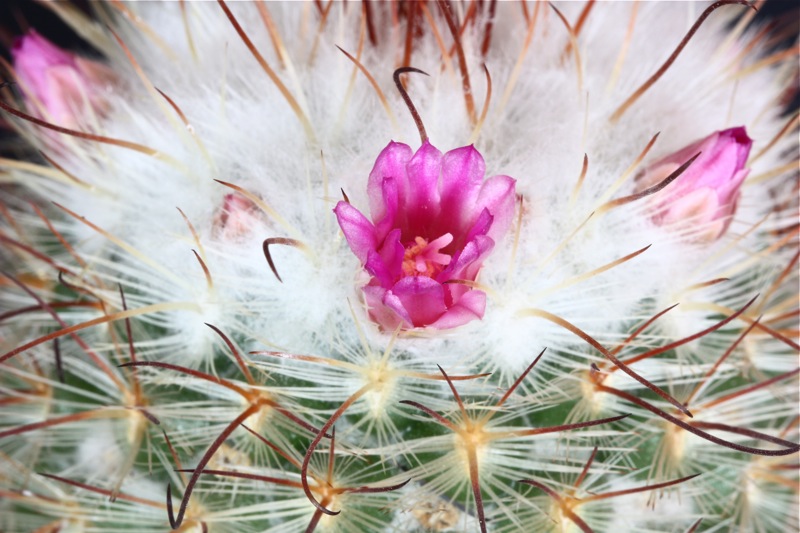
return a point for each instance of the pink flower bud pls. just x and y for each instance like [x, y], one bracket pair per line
[59, 82]
[705, 195]
[434, 221]
[235, 219]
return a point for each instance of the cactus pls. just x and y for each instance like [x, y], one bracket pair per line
[203, 332]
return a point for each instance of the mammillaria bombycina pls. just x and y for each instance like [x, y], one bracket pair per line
[157, 374]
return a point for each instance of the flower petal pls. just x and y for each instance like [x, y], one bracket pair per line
[468, 261]
[471, 306]
[498, 195]
[481, 225]
[391, 252]
[33, 56]
[64, 93]
[380, 313]
[696, 207]
[728, 192]
[359, 232]
[391, 163]
[462, 176]
[739, 138]
[393, 216]
[378, 269]
[422, 194]
[418, 299]
[700, 214]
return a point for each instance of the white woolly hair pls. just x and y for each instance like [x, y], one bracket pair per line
[243, 132]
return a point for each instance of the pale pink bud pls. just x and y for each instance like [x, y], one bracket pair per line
[434, 220]
[235, 218]
[60, 82]
[705, 195]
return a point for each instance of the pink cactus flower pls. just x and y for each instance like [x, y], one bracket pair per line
[58, 81]
[707, 192]
[434, 222]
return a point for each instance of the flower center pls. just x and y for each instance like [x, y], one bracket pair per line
[422, 258]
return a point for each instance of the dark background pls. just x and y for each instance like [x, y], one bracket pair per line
[17, 15]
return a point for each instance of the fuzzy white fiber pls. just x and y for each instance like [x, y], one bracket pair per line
[542, 120]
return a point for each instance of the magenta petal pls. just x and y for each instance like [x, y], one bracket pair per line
[380, 313]
[462, 176]
[393, 216]
[64, 92]
[418, 298]
[391, 163]
[728, 192]
[392, 252]
[359, 232]
[467, 262]
[724, 153]
[481, 225]
[394, 306]
[376, 267]
[471, 306]
[735, 145]
[499, 196]
[33, 56]
[738, 137]
[715, 166]
[422, 194]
